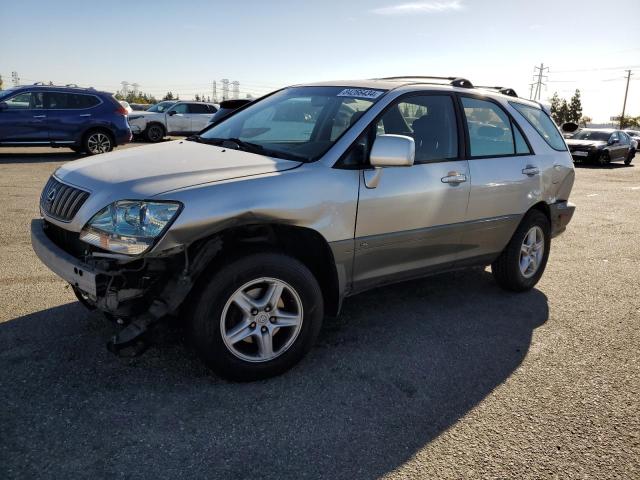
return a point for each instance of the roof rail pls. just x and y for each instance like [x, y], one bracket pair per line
[503, 90]
[454, 81]
[71, 85]
[39, 83]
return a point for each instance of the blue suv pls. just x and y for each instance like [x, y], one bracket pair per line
[82, 119]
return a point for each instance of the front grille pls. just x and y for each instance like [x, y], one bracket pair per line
[61, 201]
[68, 241]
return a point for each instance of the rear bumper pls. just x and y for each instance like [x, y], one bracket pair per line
[561, 214]
[64, 265]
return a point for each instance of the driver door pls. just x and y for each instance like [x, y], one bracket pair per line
[179, 119]
[410, 222]
[24, 119]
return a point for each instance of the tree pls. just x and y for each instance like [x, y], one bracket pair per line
[0, 82]
[555, 108]
[196, 97]
[631, 122]
[168, 96]
[563, 112]
[575, 108]
[585, 120]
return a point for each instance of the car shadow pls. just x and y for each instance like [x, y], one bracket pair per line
[609, 166]
[64, 155]
[397, 368]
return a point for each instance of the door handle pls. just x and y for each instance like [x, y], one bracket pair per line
[530, 170]
[454, 178]
[39, 116]
[85, 115]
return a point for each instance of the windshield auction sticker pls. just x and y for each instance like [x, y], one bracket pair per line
[360, 93]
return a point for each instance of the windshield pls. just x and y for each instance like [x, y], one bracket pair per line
[592, 135]
[7, 92]
[299, 123]
[161, 107]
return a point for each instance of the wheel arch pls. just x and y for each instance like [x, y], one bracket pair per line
[304, 244]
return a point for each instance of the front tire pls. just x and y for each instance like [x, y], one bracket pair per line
[256, 317]
[627, 161]
[521, 264]
[154, 133]
[604, 159]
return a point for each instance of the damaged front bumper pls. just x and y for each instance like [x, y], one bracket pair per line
[140, 290]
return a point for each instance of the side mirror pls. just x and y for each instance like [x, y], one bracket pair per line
[3, 106]
[171, 113]
[612, 141]
[392, 151]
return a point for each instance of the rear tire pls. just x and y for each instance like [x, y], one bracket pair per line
[239, 334]
[97, 141]
[514, 268]
[154, 133]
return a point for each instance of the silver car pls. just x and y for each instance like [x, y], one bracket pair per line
[255, 229]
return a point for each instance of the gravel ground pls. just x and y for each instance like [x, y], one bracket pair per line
[447, 377]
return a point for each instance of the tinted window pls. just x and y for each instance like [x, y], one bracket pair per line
[198, 108]
[180, 108]
[489, 128]
[25, 101]
[543, 125]
[521, 145]
[67, 101]
[161, 107]
[430, 120]
[592, 135]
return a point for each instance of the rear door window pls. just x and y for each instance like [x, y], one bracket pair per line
[542, 124]
[70, 101]
[490, 132]
[198, 108]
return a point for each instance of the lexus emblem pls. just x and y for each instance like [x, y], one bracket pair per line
[51, 196]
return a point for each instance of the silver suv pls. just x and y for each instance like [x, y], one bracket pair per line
[255, 229]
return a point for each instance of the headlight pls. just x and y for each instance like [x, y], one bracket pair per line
[129, 226]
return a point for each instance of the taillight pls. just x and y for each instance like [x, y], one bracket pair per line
[122, 111]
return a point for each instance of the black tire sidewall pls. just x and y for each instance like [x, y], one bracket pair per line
[512, 278]
[204, 324]
[148, 131]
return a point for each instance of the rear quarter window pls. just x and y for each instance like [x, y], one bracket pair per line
[543, 124]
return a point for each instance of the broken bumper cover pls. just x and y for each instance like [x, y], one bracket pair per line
[63, 264]
[561, 214]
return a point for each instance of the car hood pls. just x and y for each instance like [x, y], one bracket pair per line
[571, 142]
[144, 172]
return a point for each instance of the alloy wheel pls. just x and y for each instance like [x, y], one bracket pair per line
[155, 133]
[531, 252]
[261, 319]
[98, 143]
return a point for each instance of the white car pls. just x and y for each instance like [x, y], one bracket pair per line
[171, 118]
[126, 106]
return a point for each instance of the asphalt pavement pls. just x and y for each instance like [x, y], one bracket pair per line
[446, 377]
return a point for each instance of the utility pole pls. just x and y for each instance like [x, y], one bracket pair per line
[225, 89]
[539, 82]
[214, 91]
[531, 91]
[15, 79]
[236, 89]
[624, 105]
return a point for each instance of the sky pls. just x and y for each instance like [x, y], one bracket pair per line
[183, 46]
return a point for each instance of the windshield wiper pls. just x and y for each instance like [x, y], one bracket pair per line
[248, 147]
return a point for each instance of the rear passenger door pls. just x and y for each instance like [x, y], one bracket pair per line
[200, 116]
[505, 176]
[411, 222]
[69, 115]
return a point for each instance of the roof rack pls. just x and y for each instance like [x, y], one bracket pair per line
[454, 81]
[503, 90]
